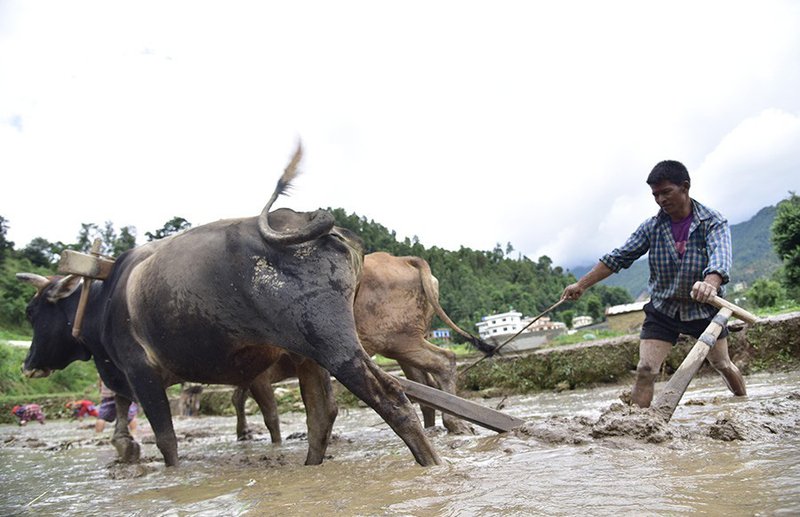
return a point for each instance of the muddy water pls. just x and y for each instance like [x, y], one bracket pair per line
[718, 456]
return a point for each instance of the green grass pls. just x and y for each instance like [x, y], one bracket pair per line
[10, 335]
[582, 337]
[782, 308]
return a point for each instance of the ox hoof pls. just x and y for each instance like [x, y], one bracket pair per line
[458, 427]
[128, 450]
[245, 435]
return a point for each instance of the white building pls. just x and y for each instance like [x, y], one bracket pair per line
[511, 322]
[581, 321]
[542, 324]
[500, 324]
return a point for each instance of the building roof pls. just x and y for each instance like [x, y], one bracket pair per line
[625, 308]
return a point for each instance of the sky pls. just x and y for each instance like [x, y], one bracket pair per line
[459, 123]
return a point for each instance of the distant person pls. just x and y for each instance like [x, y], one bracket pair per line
[108, 410]
[690, 259]
[28, 413]
[82, 408]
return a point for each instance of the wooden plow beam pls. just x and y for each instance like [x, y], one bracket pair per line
[462, 408]
[672, 393]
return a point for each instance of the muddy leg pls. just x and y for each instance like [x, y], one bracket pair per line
[261, 388]
[721, 361]
[128, 449]
[155, 404]
[237, 400]
[428, 413]
[441, 365]
[375, 387]
[652, 353]
[321, 410]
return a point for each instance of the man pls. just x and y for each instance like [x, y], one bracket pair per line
[108, 410]
[690, 259]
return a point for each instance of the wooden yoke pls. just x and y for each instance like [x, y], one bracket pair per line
[90, 267]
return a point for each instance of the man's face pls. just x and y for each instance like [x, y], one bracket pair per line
[673, 199]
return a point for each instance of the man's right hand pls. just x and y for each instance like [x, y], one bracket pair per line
[575, 291]
[572, 292]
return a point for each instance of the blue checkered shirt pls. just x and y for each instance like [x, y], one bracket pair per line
[708, 250]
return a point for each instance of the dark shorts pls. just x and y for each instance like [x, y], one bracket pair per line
[664, 328]
[108, 410]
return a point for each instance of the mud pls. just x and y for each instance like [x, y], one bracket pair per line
[579, 452]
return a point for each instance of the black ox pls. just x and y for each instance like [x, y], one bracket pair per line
[212, 305]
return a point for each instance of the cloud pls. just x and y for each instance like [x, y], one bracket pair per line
[753, 166]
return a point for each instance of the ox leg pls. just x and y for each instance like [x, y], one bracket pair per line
[128, 449]
[441, 365]
[155, 404]
[261, 389]
[377, 389]
[416, 375]
[237, 400]
[321, 409]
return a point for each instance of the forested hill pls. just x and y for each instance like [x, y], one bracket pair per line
[753, 256]
[475, 283]
[472, 283]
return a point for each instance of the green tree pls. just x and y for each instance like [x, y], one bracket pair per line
[124, 241]
[567, 317]
[174, 225]
[6, 246]
[786, 239]
[40, 252]
[765, 293]
[112, 244]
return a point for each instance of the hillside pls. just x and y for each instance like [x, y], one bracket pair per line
[753, 256]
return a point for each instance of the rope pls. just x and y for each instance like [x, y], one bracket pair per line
[507, 341]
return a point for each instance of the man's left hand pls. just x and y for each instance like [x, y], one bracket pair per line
[703, 291]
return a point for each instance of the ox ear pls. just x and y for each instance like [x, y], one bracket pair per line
[65, 287]
[37, 281]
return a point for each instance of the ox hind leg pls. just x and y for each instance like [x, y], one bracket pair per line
[261, 390]
[378, 390]
[321, 410]
[238, 398]
[416, 375]
[127, 448]
[266, 404]
[440, 364]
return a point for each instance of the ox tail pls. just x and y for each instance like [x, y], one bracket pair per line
[320, 222]
[432, 293]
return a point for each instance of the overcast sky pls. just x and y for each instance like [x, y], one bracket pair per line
[461, 123]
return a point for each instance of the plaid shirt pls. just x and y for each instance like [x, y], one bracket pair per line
[708, 250]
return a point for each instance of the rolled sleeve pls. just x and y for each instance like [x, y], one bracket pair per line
[720, 256]
[637, 245]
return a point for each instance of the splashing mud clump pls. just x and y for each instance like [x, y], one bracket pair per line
[766, 421]
[643, 424]
[558, 429]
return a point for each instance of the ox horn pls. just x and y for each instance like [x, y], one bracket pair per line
[38, 281]
[320, 222]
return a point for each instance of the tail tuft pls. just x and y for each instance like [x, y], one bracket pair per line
[487, 349]
[290, 172]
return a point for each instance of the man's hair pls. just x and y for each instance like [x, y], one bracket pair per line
[669, 170]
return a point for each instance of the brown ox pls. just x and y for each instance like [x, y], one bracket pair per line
[394, 306]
